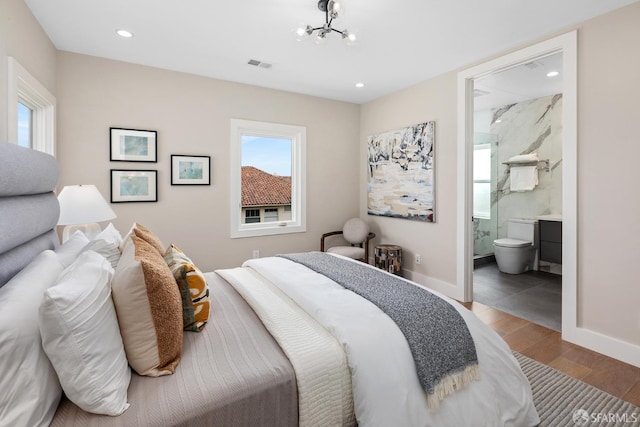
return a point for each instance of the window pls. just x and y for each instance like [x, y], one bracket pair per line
[270, 214]
[482, 181]
[268, 175]
[251, 216]
[31, 110]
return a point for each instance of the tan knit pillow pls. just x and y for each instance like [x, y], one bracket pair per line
[149, 309]
[147, 235]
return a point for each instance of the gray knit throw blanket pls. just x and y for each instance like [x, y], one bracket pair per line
[440, 342]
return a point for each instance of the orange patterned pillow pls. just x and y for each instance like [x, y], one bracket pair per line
[194, 289]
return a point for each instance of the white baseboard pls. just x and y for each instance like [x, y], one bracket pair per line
[448, 289]
[603, 344]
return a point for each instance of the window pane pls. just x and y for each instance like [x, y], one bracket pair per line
[482, 164]
[25, 125]
[482, 200]
[252, 216]
[266, 174]
[270, 214]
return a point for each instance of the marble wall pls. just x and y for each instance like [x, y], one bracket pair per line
[529, 126]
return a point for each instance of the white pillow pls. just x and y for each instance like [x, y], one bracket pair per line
[80, 335]
[108, 250]
[69, 250]
[29, 388]
[110, 235]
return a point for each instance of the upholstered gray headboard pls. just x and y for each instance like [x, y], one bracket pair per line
[29, 208]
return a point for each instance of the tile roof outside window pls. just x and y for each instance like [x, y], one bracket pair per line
[263, 189]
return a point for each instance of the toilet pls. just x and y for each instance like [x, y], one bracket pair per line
[518, 252]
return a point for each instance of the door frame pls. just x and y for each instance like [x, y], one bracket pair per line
[567, 44]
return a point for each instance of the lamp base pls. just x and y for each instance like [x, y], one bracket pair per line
[90, 230]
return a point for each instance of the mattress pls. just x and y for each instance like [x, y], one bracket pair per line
[233, 373]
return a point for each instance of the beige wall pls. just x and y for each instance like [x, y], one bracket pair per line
[22, 38]
[435, 100]
[608, 175]
[191, 115]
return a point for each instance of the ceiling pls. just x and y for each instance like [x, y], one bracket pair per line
[400, 42]
[526, 81]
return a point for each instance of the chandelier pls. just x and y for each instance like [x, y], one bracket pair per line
[332, 9]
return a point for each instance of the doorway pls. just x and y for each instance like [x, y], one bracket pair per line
[566, 45]
[518, 113]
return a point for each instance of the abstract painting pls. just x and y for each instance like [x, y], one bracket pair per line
[401, 176]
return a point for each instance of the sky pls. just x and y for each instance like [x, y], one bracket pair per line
[271, 155]
[24, 119]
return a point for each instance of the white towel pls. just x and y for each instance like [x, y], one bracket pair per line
[524, 158]
[523, 178]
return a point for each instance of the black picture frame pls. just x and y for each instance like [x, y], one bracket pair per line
[134, 185]
[133, 145]
[190, 170]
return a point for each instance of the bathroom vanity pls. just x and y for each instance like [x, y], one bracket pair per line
[550, 238]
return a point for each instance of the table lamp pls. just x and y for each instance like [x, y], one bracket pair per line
[81, 208]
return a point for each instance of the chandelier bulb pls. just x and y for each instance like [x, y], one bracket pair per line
[335, 8]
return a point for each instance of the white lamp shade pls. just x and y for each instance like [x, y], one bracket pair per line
[82, 204]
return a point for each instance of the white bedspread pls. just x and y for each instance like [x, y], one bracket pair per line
[322, 373]
[386, 390]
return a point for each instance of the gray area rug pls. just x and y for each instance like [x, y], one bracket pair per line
[563, 401]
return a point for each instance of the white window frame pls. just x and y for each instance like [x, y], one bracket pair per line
[298, 137]
[25, 88]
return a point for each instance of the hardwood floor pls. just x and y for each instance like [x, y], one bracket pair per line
[546, 346]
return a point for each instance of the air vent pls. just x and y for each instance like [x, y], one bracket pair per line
[260, 64]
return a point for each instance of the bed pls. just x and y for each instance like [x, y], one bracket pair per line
[283, 343]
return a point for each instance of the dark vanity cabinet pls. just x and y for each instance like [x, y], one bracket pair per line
[550, 241]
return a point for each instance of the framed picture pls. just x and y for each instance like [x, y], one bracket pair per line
[190, 170]
[134, 186]
[133, 145]
[401, 175]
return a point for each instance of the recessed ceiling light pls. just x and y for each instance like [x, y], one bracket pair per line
[124, 33]
[552, 73]
[359, 85]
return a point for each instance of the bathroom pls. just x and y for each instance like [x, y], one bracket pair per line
[517, 173]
